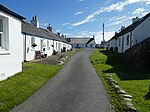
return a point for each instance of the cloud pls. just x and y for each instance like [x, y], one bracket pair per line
[44, 24]
[58, 30]
[78, 13]
[119, 6]
[117, 20]
[66, 24]
[67, 34]
[99, 36]
[140, 12]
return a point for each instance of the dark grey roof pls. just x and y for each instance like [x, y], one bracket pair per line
[131, 27]
[81, 41]
[28, 28]
[8, 11]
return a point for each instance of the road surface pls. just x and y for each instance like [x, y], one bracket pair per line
[76, 88]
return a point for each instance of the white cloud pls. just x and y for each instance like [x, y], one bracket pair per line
[78, 13]
[140, 12]
[114, 19]
[119, 6]
[99, 36]
[44, 24]
[117, 20]
[67, 34]
[58, 30]
[66, 24]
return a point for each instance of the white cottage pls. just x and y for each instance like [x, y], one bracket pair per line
[82, 42]
[131, 35]
[42, 40]
[11, 50]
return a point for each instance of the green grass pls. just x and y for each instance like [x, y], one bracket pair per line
[18, 88]
[134, 83]
[21, 86]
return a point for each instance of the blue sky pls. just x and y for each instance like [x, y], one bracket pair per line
[81, 17]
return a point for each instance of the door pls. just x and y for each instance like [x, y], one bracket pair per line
[122, 44]
[41, 45]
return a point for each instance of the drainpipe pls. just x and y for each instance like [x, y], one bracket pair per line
[25, 49]
[53, 45]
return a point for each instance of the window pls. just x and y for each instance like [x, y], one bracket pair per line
[119, 41]
[3, 33]
[48, 45]
[128, 40]
[32, 40]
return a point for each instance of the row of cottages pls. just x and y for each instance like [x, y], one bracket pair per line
[43, 40]
[82, 42]
[131, 35]
[17, 38]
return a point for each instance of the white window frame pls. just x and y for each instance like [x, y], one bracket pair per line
[4, 46]
[1, 33]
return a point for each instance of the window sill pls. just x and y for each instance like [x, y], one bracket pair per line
[4, 52]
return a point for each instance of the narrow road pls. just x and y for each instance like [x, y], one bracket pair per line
[76, 88]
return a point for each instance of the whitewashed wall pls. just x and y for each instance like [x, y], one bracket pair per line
[47, 44]
[42, 43]
[123, 42]
[11, 59]
[142, 31]
[112, 43]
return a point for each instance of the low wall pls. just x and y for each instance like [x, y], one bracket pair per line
[138, 56]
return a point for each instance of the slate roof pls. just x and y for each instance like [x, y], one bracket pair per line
[28, 28]
[130, 27]
[8, 11]
[81, 41]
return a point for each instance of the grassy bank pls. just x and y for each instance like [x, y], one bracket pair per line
[18, 88]
[134, 83]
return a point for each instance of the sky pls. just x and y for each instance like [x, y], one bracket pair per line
[81, 18]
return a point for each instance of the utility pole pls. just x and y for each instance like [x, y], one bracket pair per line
[103, 33]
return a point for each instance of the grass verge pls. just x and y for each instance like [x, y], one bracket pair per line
[21, 86]
[134, 83]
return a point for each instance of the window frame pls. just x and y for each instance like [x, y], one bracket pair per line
[127, 41]
[1, 33]
[32, 40]
[48, 45]
[119, 42]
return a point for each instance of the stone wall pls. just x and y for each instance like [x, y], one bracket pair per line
[138, 56]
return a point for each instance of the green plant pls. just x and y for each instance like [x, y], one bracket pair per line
[34, 44]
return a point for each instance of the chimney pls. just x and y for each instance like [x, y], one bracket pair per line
[122, 28]
[116, 33]
[58, 34]
[135, 20]
[93, 36]
[49, 28]
[35, 21]
[62, 36]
